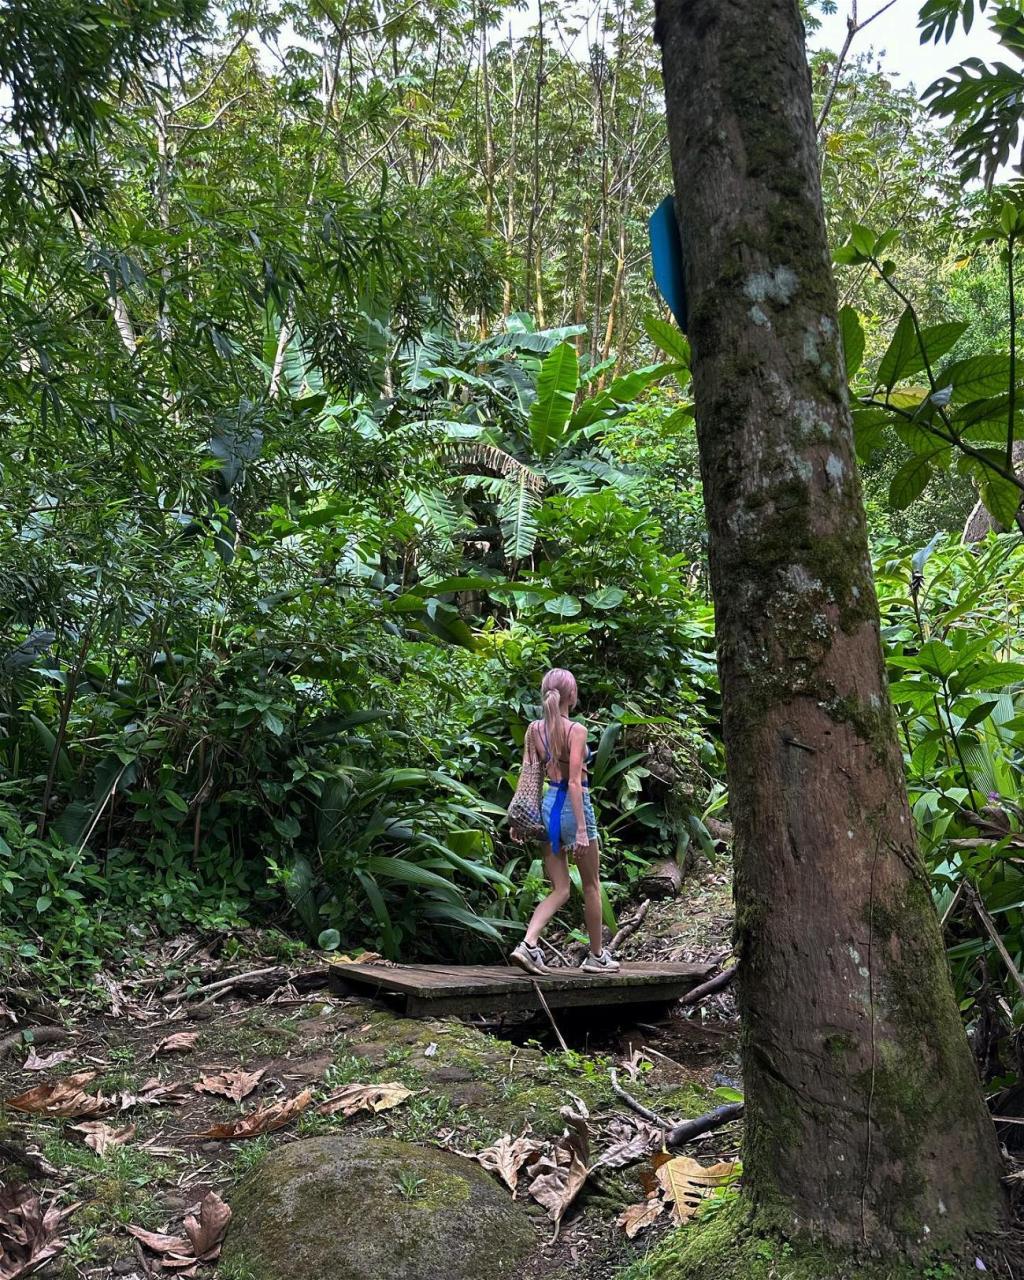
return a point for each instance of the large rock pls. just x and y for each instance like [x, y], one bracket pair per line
[340, 1208]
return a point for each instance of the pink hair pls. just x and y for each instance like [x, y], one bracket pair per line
[559, 694]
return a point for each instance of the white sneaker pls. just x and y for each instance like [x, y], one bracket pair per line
[604, 963]
[529, 958]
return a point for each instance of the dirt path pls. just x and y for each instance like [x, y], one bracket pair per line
[470, 1085]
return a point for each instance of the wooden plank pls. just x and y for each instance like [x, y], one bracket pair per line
[524, 1000]
[439, 989]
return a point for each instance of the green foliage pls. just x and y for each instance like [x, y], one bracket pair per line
[951, 625]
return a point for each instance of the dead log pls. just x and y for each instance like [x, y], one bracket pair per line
[40, 1035]
[663, 880]
[719, 830]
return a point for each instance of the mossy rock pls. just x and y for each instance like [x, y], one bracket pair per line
[339, 1208]
[725, 1246]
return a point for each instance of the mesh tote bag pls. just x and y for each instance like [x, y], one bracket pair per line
[524, 812]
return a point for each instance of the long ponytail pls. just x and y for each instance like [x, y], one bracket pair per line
[558, 691]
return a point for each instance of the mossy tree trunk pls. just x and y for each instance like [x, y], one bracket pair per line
[865, 1120]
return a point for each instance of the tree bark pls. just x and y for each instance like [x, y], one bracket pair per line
[865, 1120]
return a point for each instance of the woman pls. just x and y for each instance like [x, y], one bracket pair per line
[569, 818]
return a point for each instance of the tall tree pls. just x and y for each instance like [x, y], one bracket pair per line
[865, 1122]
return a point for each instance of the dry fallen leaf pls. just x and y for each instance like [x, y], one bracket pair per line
[235, 1085]
[34, 1063]
[507, 1156]
[201, 1242]
[364, 1097]
[686, 1182]
[638, 1216]
[560, 1176]
[62, 1098]
[262, 1120]
[101, 1136]
[153, 1094]
[364, 957]
[29, 1232]
[207, 1232]
[630, 1139]
[179, 1042]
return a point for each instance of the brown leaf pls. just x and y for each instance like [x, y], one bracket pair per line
[101, 1136]
[235, 1085]
[179, 1042]
[364, 1097]
[160, 1243]
[686, 1182]
[29, 1232]
[629, 1140]
[560, 1176]
[638, 1216]
[34, 1063]
[207, 1232]
[263, 1119]
[153, 1094]
[62, 1098]
[507, 1156]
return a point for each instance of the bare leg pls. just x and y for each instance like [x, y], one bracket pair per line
[558, 874]
[587, 860]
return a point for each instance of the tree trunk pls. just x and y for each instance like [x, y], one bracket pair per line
[865, 1121]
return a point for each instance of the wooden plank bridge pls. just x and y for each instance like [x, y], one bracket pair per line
[424, 990]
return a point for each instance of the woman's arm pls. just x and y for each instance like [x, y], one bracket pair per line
[577, 746]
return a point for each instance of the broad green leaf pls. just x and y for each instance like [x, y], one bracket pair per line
[900, 353]
[981, 712]
[668, 338]
[906, 355]
[563, 606]
[556, 388]
[1002, 498]
[869, 428]
[977, 377]
[938, 658]
[909, 482]
[853, 340]
[606, 598]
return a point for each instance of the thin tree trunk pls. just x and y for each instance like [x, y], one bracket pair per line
[865, 1121]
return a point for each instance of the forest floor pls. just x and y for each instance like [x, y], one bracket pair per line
[149, 1042]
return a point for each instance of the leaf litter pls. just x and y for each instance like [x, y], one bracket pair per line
[202, 1241]
[235, 1085]
[261, 1120]
[29, 1232]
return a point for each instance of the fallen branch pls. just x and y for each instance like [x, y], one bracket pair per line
[636, 1106]
[27, 1159]
[551, 1017]
[690, 1129]
[39, 1035]
[630, 927]
[993, 933]
[258, 979]
[718, 983]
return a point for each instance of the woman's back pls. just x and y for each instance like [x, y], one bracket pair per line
[558, 762]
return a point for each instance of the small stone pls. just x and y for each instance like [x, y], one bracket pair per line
[452, 1075]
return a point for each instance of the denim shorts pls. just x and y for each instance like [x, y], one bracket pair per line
[568, 819]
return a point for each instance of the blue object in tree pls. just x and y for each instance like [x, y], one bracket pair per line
[667, 258]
